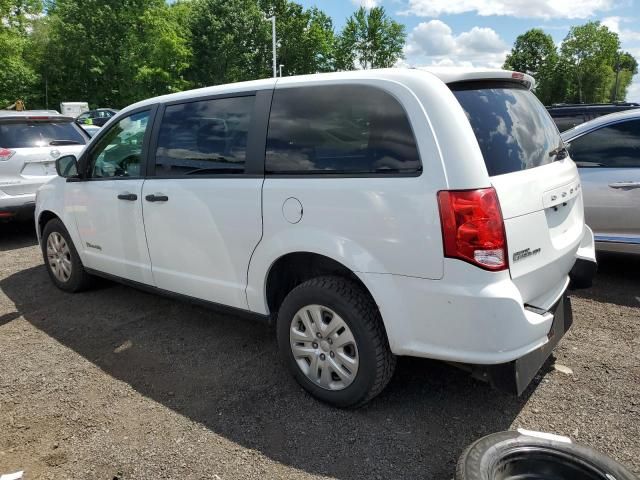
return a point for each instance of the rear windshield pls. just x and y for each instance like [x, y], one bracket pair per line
[39, 134]
[513, 128]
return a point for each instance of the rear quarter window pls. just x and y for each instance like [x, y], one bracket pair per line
[29, 134]
[339, 129]
[513, 129]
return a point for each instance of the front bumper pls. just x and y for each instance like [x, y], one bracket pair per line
[515, 376]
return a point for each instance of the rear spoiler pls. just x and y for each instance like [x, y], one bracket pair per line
[451, 75]
[36, 118]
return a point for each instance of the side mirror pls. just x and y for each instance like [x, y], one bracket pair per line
[67, 166]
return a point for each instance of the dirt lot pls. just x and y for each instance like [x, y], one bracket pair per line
[116, 383]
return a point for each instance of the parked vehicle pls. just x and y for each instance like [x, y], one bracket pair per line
[568, 116]
[30, 143]
[607, 152]
[96, 117]
[367, 214]
[73, 109]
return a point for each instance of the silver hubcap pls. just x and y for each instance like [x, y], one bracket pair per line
[324, 347]
[59, 256]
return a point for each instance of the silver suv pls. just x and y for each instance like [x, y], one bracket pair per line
[30, 143]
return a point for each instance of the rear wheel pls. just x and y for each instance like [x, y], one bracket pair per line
[62, 260]
[331, 336]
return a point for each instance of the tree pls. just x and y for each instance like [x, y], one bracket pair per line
[628, 67]
[306, 40]
[589, 51]
[535, 53]
[113, 53]
[163, 54]
[370, 39]
[18, 79]
[230, 40]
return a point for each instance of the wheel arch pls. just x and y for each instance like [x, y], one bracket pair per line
[45, 217]
[293, 268]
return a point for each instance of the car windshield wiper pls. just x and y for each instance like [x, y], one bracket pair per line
[64, 142]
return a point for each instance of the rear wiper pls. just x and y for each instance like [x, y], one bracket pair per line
[560, 153]
[64, 142]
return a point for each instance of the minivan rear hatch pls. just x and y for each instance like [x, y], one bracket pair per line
[537, 184]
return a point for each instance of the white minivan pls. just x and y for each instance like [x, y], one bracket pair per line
[366, 214]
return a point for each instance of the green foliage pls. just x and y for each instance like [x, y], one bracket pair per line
[230, 40]
[18, 78]
[590, 52]
[535, 53]
[306, 39]
[370, 39]
[583, 71]
[628, 67]
[113, 53]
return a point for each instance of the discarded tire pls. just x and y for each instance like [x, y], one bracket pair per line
[535, 456]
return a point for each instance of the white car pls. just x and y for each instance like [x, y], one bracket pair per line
[30, 143]
[366, 214]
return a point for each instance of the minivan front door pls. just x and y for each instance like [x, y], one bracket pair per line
[202, 205]
[107, 205]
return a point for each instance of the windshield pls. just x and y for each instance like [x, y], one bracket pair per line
[39, 134]
[512, 127]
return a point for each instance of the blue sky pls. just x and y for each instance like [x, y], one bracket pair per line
[481, 32]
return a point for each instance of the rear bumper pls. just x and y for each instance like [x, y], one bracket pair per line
[515, 376]
[12, 208]
[473, 317]
[586, 266]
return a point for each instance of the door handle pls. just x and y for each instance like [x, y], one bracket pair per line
[623, 185]
[128, 196]
[156, 198]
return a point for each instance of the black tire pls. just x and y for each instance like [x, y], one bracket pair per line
[511, 455]
[79, 279]
[360, 313]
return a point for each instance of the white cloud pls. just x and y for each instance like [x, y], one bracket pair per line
[481, 40]
[626, 35]
[518, 8]
[633, 92]
[431, 38]
[368, 4]
[434, 43]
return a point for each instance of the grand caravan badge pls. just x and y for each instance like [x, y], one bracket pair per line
[527, 252]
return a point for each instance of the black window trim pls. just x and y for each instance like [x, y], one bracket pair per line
[83, 161]
[595, 129]
[256, 139]
[332, 174]
[604, 125]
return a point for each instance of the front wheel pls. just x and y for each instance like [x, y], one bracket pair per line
[62, 260]
[331, 337]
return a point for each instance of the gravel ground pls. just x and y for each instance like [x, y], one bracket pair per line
[119, 384]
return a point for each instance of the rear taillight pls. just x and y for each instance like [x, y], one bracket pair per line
[6, 154]
[473, 228]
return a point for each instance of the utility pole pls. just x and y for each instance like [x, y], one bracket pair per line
[281, 65]
[273, 38]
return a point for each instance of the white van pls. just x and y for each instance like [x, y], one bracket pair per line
[73, 109]
[366, 214]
